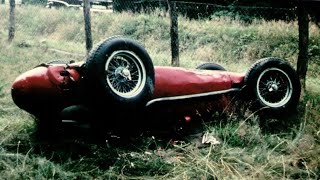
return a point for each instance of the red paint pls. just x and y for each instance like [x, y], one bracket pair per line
[44, 87]
[46, 80]
[34, 81]
[175, 81]
[187, 119]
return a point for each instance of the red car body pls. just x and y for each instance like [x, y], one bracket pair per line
[54, 85]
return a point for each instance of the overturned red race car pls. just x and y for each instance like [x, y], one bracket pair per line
[119, 83]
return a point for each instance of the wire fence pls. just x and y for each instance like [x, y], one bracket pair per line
[202, 11]
[196, 10]
[207, 48]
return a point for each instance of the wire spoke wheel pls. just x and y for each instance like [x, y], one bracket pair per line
[125, 73]
[274, 87]
[119, 72]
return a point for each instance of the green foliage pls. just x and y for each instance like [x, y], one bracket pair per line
[144, 27]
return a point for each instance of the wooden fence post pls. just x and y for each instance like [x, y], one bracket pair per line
[174, 33]
[11, 20]
[302, 63]
[87, 25]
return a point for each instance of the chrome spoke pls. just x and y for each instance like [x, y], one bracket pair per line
[125, 73]
[274, 87]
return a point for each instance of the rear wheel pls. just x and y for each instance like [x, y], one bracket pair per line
[275, 86]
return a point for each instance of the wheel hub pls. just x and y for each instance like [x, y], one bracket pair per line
[123, 72]
[126, 73]
[273, 87]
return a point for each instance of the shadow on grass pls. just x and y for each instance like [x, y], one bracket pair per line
[79, 141]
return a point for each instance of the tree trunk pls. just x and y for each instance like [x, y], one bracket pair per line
[174, 33]
[302, 64]
[12, 21]
[87, 25]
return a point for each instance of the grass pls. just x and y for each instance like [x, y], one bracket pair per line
[246, 150]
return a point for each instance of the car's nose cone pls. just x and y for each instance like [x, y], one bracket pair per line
[30, 90]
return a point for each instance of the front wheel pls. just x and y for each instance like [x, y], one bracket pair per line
[275, 86]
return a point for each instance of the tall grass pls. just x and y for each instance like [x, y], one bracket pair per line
[222, 40]
[246, 150]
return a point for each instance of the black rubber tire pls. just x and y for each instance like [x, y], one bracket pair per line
[120, 56]
[211, 66]
[273, 87]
